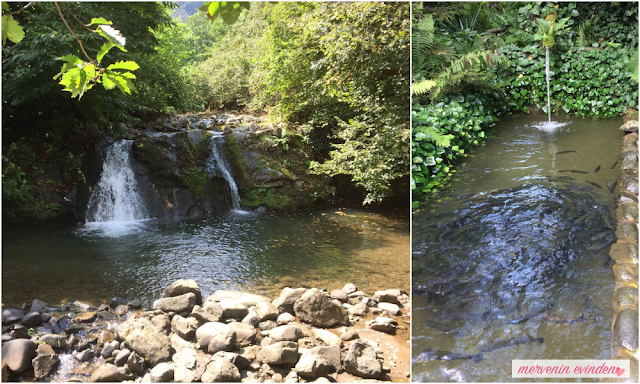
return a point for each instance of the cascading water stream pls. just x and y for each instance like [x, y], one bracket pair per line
[217, 165]
[116, 202]
[546, 69]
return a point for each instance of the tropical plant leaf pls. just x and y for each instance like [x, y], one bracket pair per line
[422, 87]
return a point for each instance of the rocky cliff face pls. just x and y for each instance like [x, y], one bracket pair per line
[177, 176]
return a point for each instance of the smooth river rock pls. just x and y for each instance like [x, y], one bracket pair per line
[176, 304]
[181, 287]
[284, 352]
[17, 354]
[319, 361]
[214, 337]
[221, 371]
[288, 297]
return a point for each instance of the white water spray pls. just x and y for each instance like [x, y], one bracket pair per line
[548, 125]
[115, 203]
[217, 165]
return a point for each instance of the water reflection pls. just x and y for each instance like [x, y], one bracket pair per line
[259, 253]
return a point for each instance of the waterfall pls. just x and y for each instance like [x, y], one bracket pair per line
[116, 197]
[217, 165]
[546, 69]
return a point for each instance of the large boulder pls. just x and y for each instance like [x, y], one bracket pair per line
[288, 297]
[214, 337]
[146, 340]
[284, 352]
[18, 354]
[362, 361]
[181, 287]
[179, 303]
[319, 361]
[221, 371]
[316, 307]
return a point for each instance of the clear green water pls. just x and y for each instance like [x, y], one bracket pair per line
[512, 240]
[253, 252]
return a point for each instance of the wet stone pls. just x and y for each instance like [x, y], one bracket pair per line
[627, 212]
[624, 251]
[627, 230]
[630, 139]
[106, 315]
[629, 155]
[117, 300]
[32, 319]
[11, 316]
[624, 297]
[88, 317]
[625, 329]
[626, 272]
[629, 184]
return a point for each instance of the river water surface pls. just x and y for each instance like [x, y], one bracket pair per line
[511, 261]
[259, 253]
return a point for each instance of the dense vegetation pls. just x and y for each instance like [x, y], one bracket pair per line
[336, 74]
[474, 61]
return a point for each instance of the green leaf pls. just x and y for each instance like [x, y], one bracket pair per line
[11, 30]
[5, 6]
[103, 51]
[128, 65]
[72, 61]
[100, 20]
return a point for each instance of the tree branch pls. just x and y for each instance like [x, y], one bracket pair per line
[73, 33]
[78, 20]
[19, 11]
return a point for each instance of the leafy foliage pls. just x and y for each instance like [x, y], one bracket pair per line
[446, 130]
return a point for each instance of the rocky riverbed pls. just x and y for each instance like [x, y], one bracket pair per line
[303, 335]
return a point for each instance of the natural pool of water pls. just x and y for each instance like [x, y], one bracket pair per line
[259, 253]
[514, 250]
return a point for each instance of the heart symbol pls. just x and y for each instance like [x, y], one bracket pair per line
[619, 371]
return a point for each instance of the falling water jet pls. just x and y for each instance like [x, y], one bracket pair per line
[549, 125]
[546, 68]
[217, 164]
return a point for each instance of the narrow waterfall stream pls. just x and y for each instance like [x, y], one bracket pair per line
[217, 165]
[116, 204]
[546, 70]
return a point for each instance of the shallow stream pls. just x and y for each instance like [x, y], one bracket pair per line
[511, 261]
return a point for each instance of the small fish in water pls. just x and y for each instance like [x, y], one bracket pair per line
[511, 342]
[430, 354]
[614, 164]
[564, 320]
[607, 260]
[611, 186]
[574, 171]
[597, 169]
[528, 317]
[594, 184]
[560, 153]
[437, 325]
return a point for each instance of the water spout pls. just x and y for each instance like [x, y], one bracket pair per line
[546, 68]
[217, 165]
